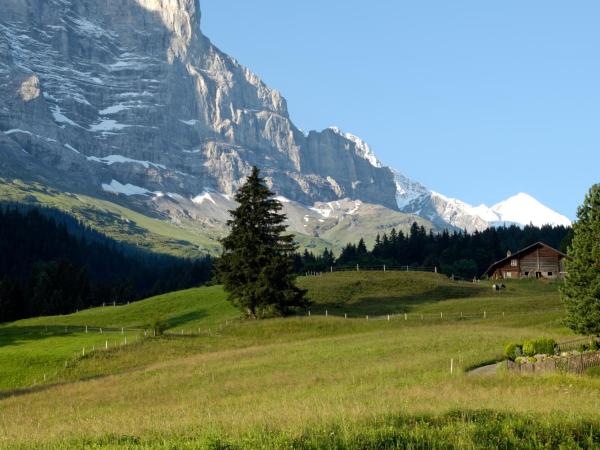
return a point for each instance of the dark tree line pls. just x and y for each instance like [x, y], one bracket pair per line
[52, 264]
[463, 254]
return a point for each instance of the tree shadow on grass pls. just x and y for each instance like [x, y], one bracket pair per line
[15, 335]
[44, 387]
[398, 304]
[177, 321]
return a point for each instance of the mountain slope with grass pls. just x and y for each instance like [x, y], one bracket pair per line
[302, 381]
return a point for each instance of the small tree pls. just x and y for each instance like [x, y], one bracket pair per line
[581, 291]
[256, 267]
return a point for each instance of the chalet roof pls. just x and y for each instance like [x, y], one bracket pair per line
[521, 252]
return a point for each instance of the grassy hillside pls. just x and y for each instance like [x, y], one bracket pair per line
[187, 238]
[114, 220]
[307, 382]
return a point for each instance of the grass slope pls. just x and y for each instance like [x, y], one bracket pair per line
[312, 382]
[124, 224]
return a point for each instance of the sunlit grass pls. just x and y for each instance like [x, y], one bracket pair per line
[313, 382]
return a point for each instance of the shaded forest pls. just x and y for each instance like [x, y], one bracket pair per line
[465, 255]
[52, 264]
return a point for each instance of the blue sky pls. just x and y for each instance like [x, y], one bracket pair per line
[477, 100]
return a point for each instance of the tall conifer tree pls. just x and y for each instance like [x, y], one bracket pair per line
[581, 291]
[256, 267]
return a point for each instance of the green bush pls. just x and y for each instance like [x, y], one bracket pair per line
[159, 326]
[545, 346]
[594, 346]
[529, 348]
[542, 346]
[594, 372]
[582, 348]
[512, 351]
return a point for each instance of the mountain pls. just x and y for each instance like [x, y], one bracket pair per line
[522, 209]
[442, 211]
[129, 102]
[130, 106]
[98, 95]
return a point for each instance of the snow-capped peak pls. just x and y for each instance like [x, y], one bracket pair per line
[362, 148]
[523, 209]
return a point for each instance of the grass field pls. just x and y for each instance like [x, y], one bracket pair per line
[302, 382]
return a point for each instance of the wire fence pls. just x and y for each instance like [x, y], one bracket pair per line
[450, 316]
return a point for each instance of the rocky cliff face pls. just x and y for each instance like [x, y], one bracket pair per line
[129, 97]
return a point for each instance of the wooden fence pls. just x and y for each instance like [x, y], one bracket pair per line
[575, 344]
[578, 364]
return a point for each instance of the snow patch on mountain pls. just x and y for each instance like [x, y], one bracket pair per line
[126, 189]
[362, 148]
[204, 197]
[119, 159]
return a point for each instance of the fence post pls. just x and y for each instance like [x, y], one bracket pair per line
[405, 316]
[122, 330]
[435, 269]
[86, 331]
[83, 352]
[345, 315]
[326, 313]
[451, 366]
[106, 345]
[485, 314]
[331, 268]
[407, 268]
[441, 315]
[384, 267]
[100, 330]
[388, 317]
[367, 317]
[357, 269]
[309, 313]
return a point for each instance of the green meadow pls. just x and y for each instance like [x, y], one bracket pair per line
[345, 376]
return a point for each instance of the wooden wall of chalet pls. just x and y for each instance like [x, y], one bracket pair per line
[540, 261]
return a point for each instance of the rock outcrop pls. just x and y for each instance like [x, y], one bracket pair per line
[100, 93]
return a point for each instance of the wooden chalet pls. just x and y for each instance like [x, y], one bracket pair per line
[536, 261]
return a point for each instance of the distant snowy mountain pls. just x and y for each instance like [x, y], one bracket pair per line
[521, 209]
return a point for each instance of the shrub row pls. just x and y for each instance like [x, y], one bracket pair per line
[542, 346]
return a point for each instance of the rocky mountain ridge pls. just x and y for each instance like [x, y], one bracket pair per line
[133, 92]
[129, 101]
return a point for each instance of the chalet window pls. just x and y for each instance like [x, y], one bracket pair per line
[526, 274]
[549, 274]
[514, 262]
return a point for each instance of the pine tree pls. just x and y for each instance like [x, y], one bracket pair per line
[256, 267]
[581, 291]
